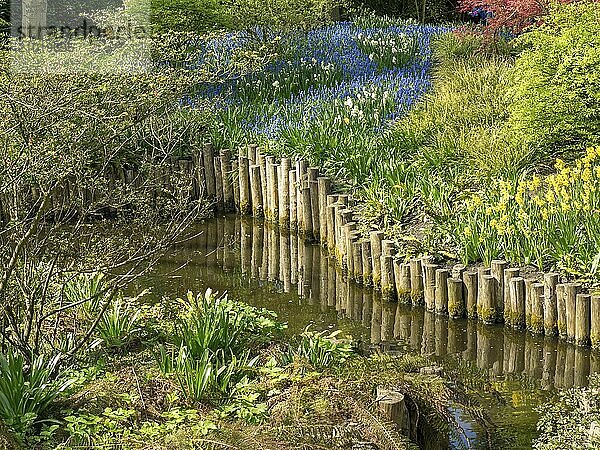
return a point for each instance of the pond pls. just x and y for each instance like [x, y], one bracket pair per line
[509, 372]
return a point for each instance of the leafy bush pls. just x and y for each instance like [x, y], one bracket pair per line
[556, 106]
[213, 342]
[119, 324]
[319, 349]
[26, 392]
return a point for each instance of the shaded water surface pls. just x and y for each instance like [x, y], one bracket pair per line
[510, 371]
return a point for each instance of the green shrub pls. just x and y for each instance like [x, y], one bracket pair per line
[26, 392]
[319, 349]
[556, 92]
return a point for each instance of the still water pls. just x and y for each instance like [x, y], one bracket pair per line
[507, 371]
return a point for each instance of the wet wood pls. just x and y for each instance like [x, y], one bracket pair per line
[509, 274]
[441, 291]
[582, 319]
[456, 299]
[550, 304]
[416, 281]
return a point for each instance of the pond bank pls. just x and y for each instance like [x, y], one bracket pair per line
[272, 268]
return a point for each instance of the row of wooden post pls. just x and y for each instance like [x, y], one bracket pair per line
[267, 253]
[295, 196]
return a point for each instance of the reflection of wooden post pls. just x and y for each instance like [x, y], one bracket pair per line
[257, 247]
[517, 295]
[441, 291]
[509, 274]
[470, 284]
[582, 319]
[245, 196]
[284, 193]
[487, 290]
[456, 300]
[286, 260]
[429, 279]
[246, 246]
[416, 281]
[256, 188]
[536, 321]
[376, 238]
[497, 271]
[367, 263]
[292, 181]
[550, 308]
[571, 291]
[595, 320]
[561, 311]
[323, 189]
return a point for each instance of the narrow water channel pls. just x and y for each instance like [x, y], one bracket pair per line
[512, 372]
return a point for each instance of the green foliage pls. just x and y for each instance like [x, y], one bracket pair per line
[212, 345]
[389, 49]
[119, 324]
[27, 392]
[319, 349]
[556, 106]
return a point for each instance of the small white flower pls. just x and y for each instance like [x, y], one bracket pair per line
[275, 84]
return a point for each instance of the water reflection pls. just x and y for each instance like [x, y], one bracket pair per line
[269, 255]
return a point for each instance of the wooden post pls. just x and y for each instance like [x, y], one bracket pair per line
[561, 311]
[571, 291]
[487, 290]
[357, 262]
[402, 278]
[392, 406]
[256, 188]
[550, 304]
[456, 299]
[301, 177]
[497, 271]
[376, 238]
[331, 224]
[517, 296]
[245, 193]
[252, 151]
[595, 320]
[209, 170]
[458, 270]
[470, 285]
[293, 189]
[387, 277]
[284, 193]
[218, 182]
[313, 175]
[349, 229]
[429, 282]
[235, 183]
[536, 320]
[261, 161]
[582, 321]
[273, 193]
[441, 291]
[416, 281]
[323, 190]
[228, 197]
[481, 272]
[307, 230]
[367, 263]
[509, 274]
